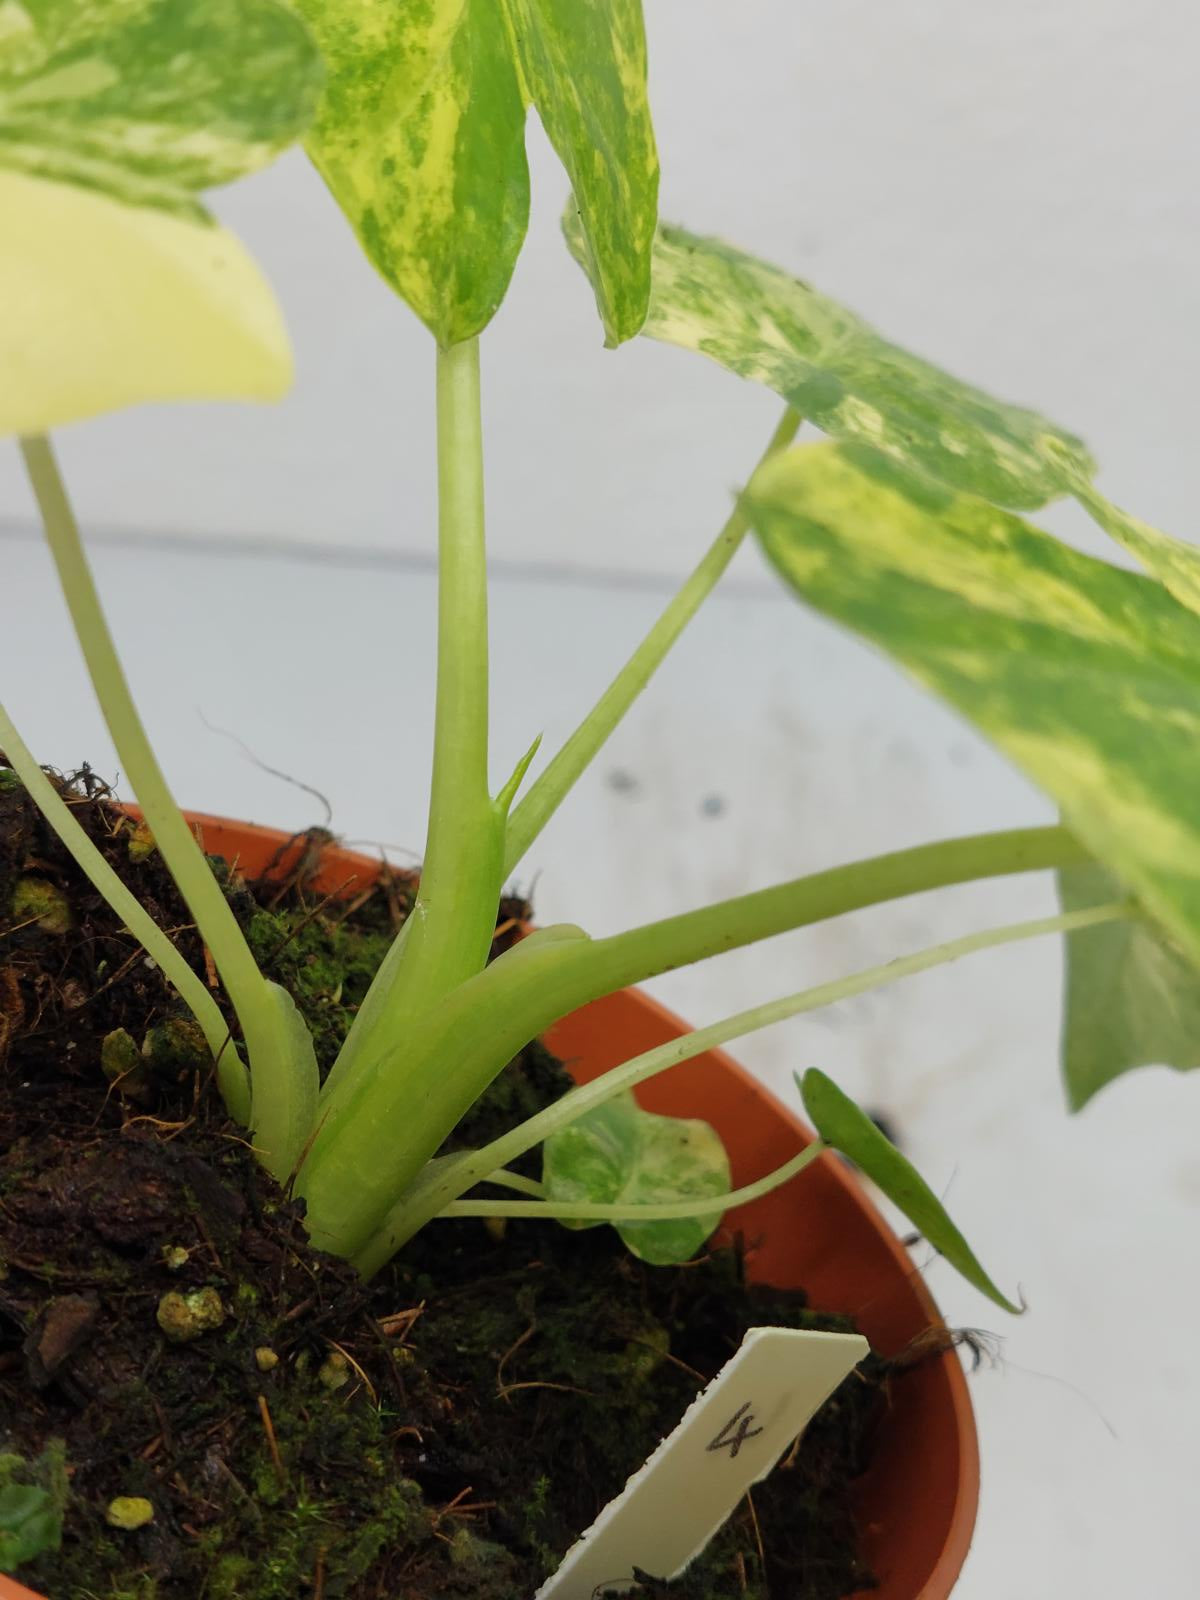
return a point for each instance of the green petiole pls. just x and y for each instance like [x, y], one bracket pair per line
[231, 1072]
[644, 1211]
[283, 1088]
[449, 932]
[357, 1169]
[443, 1184]
[568, 765]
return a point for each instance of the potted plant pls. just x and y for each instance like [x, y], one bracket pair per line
[319, 1139]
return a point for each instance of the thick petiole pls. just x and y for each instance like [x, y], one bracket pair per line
[449, 932]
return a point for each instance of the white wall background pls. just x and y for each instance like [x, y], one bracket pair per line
[1010, 190]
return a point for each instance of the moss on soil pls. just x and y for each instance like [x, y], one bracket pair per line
[445, 1431]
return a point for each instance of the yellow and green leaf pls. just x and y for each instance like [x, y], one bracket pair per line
[1086, 675]
[151, 101]
[1175, 564]
[619, 1154]
[1132, 997]
[584, 66]
[115, 286]
[420, 137]
[764, 325]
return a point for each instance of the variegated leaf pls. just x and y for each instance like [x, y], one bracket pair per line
[1132, 997]
[115, 287]
[150, 101]
[1175, 564]
[104, 305]
[584, 66]
[421, 138]
[1086, 675]
[619, 1153]
[765, 325]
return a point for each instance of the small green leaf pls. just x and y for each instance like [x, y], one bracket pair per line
[30, 1523]
[151, 101]
[1132, 998]
[619, 1154]
[765, 325]
[421, 139]
[584, 66]
[843, 1126]
[1087, 676]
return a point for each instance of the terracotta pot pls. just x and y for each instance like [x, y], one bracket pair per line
[917, 1503]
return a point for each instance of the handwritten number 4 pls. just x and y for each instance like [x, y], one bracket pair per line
[733, 1442]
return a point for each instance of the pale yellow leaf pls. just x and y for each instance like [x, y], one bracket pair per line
[152, 307]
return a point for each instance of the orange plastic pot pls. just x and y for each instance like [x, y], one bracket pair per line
[917, 1502]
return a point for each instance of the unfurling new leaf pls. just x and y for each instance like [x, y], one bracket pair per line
[621, 1154]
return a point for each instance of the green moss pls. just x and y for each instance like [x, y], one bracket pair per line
[38, 900]
[175, 1049]
[326, 968]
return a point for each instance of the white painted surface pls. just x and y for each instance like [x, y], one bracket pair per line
[769, 746]
[1009, 189]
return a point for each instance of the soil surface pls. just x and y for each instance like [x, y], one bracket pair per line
[445, 1431]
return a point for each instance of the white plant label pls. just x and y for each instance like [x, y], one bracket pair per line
[732, 1434]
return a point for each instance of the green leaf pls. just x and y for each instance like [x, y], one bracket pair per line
[621, 1154]
[30, 1523]
[150, 101]
[843, 1126]
[1087, 676]
[765, 325]
[421, 139]
[1132, 997]
[115, 287]
[584, 66]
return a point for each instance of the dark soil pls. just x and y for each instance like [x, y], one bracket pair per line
[447, 1430]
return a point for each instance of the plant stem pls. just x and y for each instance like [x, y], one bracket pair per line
[449, 932]
[643, 1211]
[514, 1180]
[231, 1073]
[266, 1040]
[360, 1163]
[568, 765]
[430, 1198]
